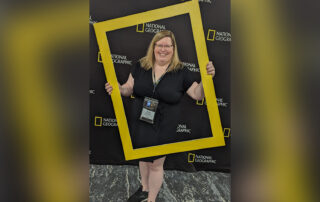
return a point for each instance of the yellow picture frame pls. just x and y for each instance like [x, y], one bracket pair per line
[191, 8]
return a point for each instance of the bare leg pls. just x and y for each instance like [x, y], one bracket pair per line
[155, 178]
[144, 172]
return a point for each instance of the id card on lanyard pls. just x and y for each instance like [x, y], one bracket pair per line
[149, 109]
[150, 105]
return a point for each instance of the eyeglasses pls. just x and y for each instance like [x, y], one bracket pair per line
[163, 46]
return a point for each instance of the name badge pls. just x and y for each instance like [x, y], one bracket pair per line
[149, 110]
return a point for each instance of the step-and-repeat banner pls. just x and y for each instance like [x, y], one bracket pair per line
[127, 46]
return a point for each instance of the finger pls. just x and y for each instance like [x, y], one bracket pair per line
[108, 85]
[210, 70]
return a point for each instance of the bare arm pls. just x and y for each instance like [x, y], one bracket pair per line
[126, 89]
[196, 91]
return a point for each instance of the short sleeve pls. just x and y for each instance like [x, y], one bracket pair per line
[189, 77]
[135, 69]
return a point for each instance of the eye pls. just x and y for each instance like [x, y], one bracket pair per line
[160, 46]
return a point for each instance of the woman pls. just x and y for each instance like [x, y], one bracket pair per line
[158, 83]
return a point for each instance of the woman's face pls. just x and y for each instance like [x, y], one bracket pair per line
[163, 51]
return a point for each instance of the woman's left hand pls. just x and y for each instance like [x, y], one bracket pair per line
[210, 69]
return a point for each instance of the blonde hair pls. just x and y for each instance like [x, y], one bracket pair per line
[148, 61]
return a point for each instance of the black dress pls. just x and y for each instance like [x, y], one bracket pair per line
[169, 92]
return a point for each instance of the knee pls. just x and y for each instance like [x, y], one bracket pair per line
[155, 167]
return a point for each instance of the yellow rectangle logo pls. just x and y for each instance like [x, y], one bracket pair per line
[226, 132]
[211, 34]
[200, 102]
[140, 27]
[99, 57]
[97, 121]
[191, 157]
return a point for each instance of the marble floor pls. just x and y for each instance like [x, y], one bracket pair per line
[109, 183]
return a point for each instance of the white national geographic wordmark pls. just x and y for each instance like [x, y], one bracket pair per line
[182, 128]
[191, 66]
[195, 158]
[93, 92]
[120, 59]
[154, 28]
[223, 36]
[91, 21]
[206, 1]
[110, 122]
[220, 102]
[204, 159]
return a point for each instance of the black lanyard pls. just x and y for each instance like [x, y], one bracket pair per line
[155, 83]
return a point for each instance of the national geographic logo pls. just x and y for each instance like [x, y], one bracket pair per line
[191, 66]
[214, 35]
[182, 128]
[194, 158]
[220, 102]
[117, 59]
[109, 122]
[120, 59]
[150, 28]
[227, 132]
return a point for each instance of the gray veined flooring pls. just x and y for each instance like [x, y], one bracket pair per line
[110, 183]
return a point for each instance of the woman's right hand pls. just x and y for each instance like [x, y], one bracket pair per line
[108, 88]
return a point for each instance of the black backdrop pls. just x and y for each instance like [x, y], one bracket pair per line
[127, 46]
